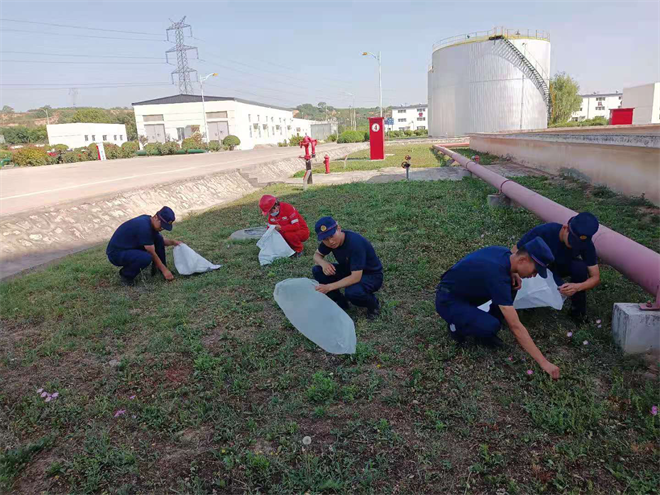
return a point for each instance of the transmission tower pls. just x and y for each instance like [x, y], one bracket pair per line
[181, 50]
[73, 93]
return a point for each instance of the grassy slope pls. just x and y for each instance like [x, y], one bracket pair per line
[226, 389]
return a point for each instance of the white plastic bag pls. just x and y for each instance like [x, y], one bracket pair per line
[536, 292]
[316, 316]
[273, 246]
[187, 261]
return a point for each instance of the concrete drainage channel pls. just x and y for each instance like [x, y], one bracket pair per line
[36, 237]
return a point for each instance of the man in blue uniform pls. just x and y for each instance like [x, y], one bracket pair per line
[137, 243]
[358, 270]
[486, 275]
[575, 257]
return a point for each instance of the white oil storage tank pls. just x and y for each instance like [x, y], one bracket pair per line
[489, 81]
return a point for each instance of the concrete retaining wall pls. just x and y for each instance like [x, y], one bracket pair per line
[32, 238]
[625, 160]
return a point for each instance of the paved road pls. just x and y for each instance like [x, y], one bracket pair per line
[25, 189]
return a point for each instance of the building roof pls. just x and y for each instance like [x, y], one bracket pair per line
[421, 105]
[168, 100]
[594, 95]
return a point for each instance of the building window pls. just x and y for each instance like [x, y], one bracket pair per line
[93, 137]
[288, 128]
[421, 127]
[152, 118]
[250, 120]
[115, 137]
[421, 119]
[619, 97]
[272, 119]
[401, 120]
[216, 115]
[265, 126]
[105, 137]
[580, 109]
[401, 111]
[297, 129]
[121, 137]
[258, 118]
[180, 133]
[86, 137]
[600, 108]
[250, 131]
[256, 126]
[421, 109]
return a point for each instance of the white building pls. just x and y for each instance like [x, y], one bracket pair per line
[646, 102]
[83, 134]
[409, 118]
[175, 118]
[597, 105]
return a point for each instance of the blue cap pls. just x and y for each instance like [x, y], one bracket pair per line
[325, 227]
[539, 251]
[581, 229]
[166, 216]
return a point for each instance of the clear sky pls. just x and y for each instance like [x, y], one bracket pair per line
[299, 52]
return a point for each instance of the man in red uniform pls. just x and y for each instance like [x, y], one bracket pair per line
[287, 221]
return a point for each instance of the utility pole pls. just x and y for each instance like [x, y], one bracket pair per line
[183, 71]
[47, 118]
[73, 93]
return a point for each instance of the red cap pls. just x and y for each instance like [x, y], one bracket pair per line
[266, 203]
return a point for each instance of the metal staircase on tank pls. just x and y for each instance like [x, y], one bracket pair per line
[527, 68]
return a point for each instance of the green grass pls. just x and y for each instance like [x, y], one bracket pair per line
[225, 388]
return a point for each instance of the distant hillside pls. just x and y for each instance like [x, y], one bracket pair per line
[37, 116]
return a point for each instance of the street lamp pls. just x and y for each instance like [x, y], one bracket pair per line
[201, 83]
[380, 81]
[353, 119]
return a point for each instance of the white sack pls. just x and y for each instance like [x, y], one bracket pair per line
[316, 316]
[187, 261]
[273, 246]
[536, 292]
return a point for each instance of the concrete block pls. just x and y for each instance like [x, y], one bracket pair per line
[498, 200]
[635, 330]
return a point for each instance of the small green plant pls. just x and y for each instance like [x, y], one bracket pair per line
[332, 138]
[421, 132]
[12, 461]
[74, 157]
[31, 157]
[169, 148]
[112, 151]
[60, 147]
[215, 145]
[295, 140]
[408, 132]
[129, 148]
[352, 137]
[323, 388]
[153, 149]
[192, 143]
[231, 141]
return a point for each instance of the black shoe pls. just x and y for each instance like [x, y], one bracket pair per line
[373, 313]
[492, 342]
[126, 281]
[455, 336]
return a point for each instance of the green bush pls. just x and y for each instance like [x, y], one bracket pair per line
[192, 143]
[152, 149]
[231, 141]
[31, 157]
[93, 151]
[214, 145]
[59, 147]
[353, 137]
[86, 153]
[332, 138]
[169, 148]
[283, 144]
[129, 148]
[394, 134]
[112, 151]
[408, 133]
[5, 154]
[295, 140]
[421, 132]
[74, 157]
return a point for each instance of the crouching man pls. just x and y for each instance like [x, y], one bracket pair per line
[137, 243]
[485, 275]
[358, 270]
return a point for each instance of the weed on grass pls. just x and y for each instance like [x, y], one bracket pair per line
[201, 385]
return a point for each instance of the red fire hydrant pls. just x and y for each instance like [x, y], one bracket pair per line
[326, 161]
[314, 143]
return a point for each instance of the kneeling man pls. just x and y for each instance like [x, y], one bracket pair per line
[487, 275]
[137, 243]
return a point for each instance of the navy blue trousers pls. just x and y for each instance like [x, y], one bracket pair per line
[469, 320]
[133, 261]
[578, 271]
[360, 294]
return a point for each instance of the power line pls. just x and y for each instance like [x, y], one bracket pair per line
[80, 84]
[86, 87]
[79, 27]
[75, 62]
[77, 55]
[79, 35]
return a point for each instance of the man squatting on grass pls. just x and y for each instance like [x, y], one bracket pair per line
[488, 274]
[137, 243]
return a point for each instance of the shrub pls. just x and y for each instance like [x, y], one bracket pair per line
[192, 143]
[93, 151]
[86, 153]
[214, 145]
[59, 147]
[112, 151]
[74, 157]
[31, 157]
[366, 136]
[283, 144]
[153, 149]
[353, 137]
[5, 154]
[295, 140]
[231, 141]
[332, 138]
[169, 148]
[407, 133]
[421, 132]
[129, 148]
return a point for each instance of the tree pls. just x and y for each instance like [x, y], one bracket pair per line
[7, 109]
[96, 115]
[565, 98]
[128, 119]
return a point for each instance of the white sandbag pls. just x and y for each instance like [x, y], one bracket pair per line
[187, 261]
[273, 246]
[536, 292]
[316, 316]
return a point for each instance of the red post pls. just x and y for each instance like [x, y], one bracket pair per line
[326, 161]
[377, 138]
